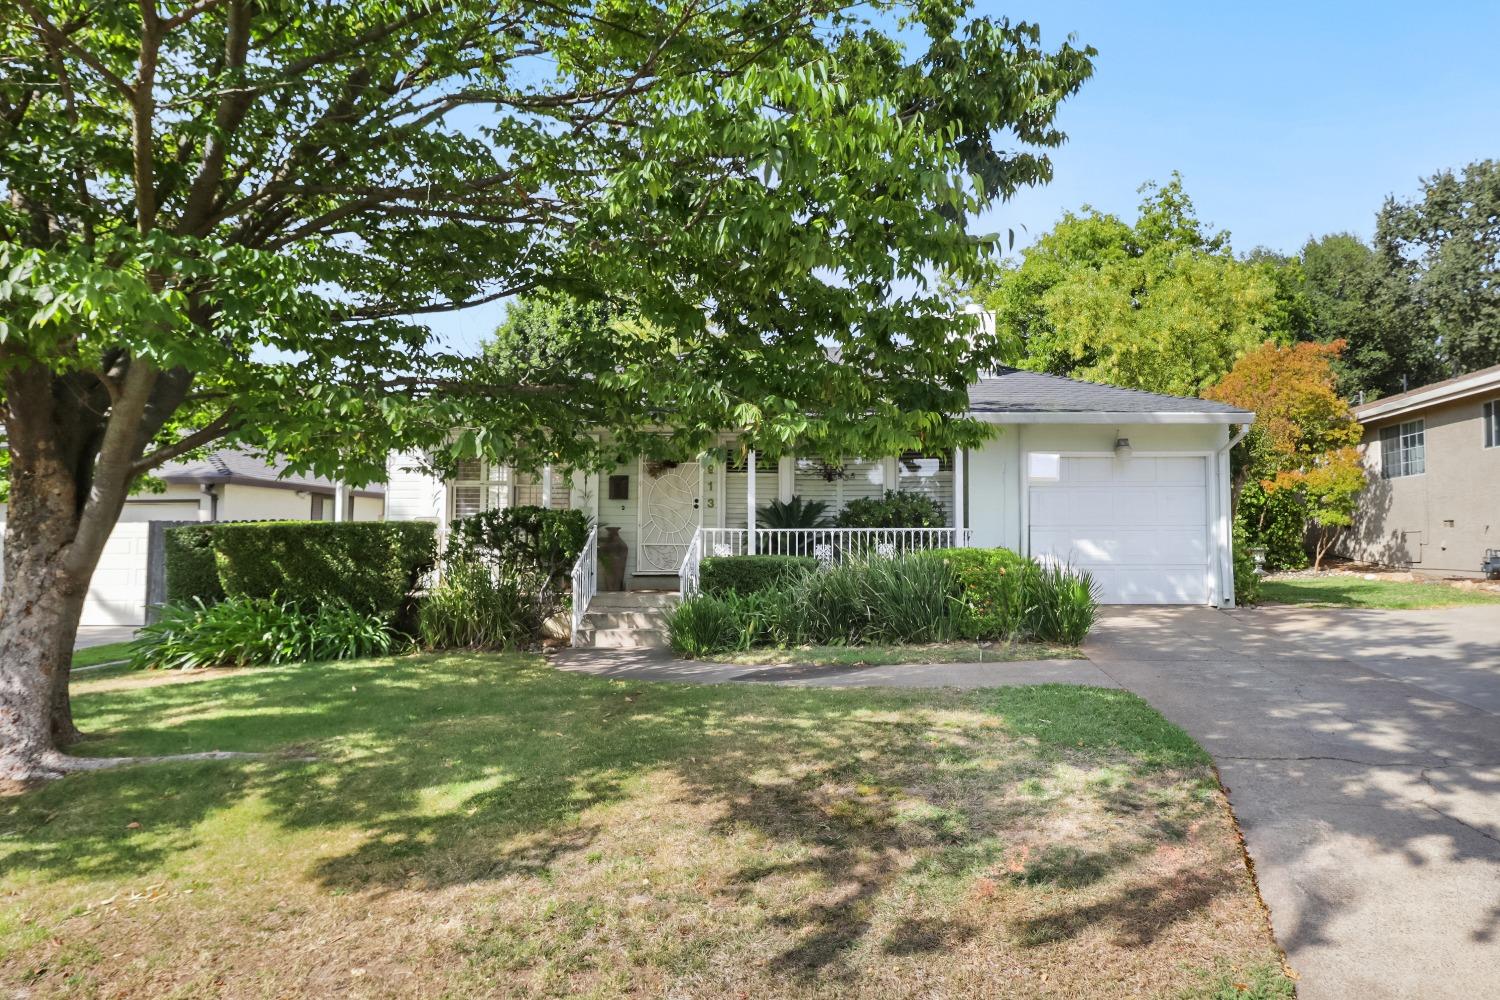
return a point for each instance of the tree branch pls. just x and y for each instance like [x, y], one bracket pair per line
[142, 126]
[233, 104]
[51, 31]
[211, 431]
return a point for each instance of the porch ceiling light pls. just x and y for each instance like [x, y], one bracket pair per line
[1122, 447]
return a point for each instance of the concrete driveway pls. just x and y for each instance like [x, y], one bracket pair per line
[1361, 750]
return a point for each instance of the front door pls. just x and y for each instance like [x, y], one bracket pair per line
[669, 512]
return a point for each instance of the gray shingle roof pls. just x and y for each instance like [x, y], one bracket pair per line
[230, 465]
[1010, 390]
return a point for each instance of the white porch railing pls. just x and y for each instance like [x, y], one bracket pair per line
[830, 546]
[585, 579]
[687, 576]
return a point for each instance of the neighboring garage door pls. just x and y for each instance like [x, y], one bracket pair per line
[1139, 524]
[117, 591]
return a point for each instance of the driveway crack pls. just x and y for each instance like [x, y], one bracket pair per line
[1487, 835]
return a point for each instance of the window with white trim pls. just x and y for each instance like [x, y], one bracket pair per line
[1492, 424]
[479, 486]
[1403, 450]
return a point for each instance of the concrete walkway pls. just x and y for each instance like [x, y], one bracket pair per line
[99, 635]
[659, 665]
[1361, 750]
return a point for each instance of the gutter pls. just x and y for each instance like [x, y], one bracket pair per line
[1226, 543]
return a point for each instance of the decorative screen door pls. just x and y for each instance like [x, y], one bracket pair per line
[669, 514]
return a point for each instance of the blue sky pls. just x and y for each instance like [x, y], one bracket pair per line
[1286, 120]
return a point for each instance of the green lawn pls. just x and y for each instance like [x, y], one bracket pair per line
[456, 826]
[95, 655]
[1350, 591]
[876, 656]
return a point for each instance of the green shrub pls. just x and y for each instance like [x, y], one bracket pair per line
[192, 572]
[1275, 521]
[244, 631]
[474, 606]
[895, 509]
[522, 540]
[1007, 596]
[723, 575]
[1246, 580]
[372, 566]
[991, 583]
[704, 625]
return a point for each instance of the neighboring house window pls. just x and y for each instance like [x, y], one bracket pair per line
[1492, 424]
[317, 507]
[1403, 450]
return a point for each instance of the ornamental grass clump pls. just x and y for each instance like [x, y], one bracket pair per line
[1061, 604]
[879, 601]
[474, 606]
[251, 631]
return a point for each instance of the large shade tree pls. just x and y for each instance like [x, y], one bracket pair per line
[1159, 303]
[226, 220]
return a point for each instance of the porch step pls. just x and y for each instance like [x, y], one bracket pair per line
[632, 600]
[632, 619]
[621, 638]
[644, 618]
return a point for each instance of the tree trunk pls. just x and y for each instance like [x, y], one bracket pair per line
[49, 560]
[39, 608]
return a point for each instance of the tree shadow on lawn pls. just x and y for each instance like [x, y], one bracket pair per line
[455, 770]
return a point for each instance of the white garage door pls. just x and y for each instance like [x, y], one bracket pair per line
[1139, 525]
[117, 592]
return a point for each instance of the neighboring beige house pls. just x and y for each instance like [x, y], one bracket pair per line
[1433, 504]
[231, 485]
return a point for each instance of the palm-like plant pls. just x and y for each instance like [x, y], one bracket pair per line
[795, 513]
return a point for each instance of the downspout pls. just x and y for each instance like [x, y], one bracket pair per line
[1226, 495]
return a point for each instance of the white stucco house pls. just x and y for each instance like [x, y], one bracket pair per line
[225, 485]
[1131, 486]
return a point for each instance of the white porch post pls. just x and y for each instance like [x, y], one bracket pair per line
[340, 502]
[958, 496]
[786, 478]
[750, 500]
[546, 486]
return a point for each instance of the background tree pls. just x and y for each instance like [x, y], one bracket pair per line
[225, 219]
[1302, 423]
[1442, 252]
[1353, 298]
[1159, 304]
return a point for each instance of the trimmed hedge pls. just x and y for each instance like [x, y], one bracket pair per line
[725, 575]
[372, 566]
[192, 572]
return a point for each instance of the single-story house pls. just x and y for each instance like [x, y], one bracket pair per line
[225, 485]
[1131, 486]
[1433, 455]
